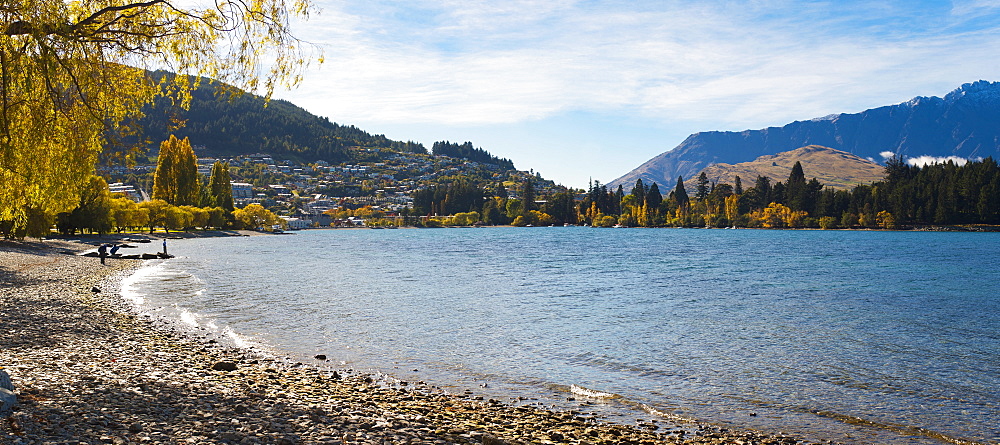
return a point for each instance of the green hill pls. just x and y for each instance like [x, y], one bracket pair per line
[246, 123]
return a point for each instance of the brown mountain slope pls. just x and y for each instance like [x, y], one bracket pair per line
[833, 168]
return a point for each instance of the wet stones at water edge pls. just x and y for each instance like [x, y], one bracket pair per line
[7, 397]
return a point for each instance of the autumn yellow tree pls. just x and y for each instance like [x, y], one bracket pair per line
[74, 72]
[778, 216]
[732, 207]
[127, 214]
[885, 220]
[93, 212]
[156, 212]
[256, 217]
[176, 178]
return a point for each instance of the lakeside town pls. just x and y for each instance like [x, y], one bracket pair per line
[308, 195]
[381, 187]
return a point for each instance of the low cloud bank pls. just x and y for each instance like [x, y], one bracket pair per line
[925, 160]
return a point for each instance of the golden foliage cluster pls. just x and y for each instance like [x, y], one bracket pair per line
[73, 71]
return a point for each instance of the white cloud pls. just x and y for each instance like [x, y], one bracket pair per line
[925, 160]
[737, 65]
[886, 155]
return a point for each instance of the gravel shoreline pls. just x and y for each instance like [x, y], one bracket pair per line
[86, 370]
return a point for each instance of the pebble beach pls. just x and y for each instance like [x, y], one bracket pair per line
[86, 369]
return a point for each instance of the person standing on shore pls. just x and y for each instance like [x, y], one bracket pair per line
[164, 247]
[102, 252]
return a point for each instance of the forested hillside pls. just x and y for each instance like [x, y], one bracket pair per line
[228, 125]
[467, 151]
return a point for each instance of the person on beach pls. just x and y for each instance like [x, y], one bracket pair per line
[164, 247]
[102, 252]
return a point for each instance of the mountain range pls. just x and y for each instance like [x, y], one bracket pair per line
[964, 123]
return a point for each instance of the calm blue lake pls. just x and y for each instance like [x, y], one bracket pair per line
[856, 337]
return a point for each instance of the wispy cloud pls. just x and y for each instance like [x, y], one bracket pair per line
[737, 64]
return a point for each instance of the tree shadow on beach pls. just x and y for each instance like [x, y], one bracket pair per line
[38, 323]
[39, 248]
[166, 406]
[11, 278]
[28, 256]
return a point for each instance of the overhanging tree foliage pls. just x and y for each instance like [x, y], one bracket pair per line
[73, 72]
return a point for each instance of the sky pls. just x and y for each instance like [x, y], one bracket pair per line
[581, 90]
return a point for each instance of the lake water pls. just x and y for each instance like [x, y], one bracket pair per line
[856, 337]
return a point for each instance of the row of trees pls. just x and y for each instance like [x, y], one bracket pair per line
[940, 194]
[180, 201]
[177, 182]
[937, 194]
[493, 205]
[100, 212]
[467, 151]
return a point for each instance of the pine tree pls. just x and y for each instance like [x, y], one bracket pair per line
[653, 197]
[796, 191]
[639, 191]
[680, 194]
[528, 195]
[764, 192]
[619, 194]
[702, 191]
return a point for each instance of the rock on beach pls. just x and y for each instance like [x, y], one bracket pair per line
[86, 370]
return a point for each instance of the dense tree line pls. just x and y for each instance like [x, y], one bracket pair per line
[99, 212]
[939, 194]
[468, 152]
[463, 202]
[448, 199]
[180, 201]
